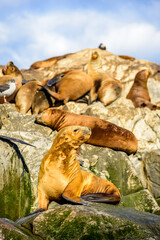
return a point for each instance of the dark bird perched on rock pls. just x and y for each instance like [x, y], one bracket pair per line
[102, 46]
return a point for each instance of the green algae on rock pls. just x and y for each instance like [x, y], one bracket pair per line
[98, 221]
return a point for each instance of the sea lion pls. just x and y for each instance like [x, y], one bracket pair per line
[126, 57]
[104, 133]
[60, 176]
[73, 85]
[139, 91]
[106, 88]
[25, 96]
[11, 72]
[48, 62]
[42, 101]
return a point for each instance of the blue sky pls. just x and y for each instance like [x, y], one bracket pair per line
[32, 30]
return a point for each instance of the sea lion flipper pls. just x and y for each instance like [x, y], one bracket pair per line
[74, 200]
[102, 197]
[73, 190]
[54, 80]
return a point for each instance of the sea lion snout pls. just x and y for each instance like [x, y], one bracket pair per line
[86, 130]
[39, 118]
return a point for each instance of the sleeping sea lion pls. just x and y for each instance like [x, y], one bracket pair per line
[106, 88]
[48, 62]
[73, 85]
[126, 57]
[60, 176]
[42, 101]
[104, 133]
[139, 91]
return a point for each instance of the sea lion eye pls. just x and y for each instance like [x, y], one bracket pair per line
[75, 130]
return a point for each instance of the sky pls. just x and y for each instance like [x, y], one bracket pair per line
[32, 30]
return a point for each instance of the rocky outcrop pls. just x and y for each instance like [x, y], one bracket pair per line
[97, 221]
[126, 172]
[136, 176]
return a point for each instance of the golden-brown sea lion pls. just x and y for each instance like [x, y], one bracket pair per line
[42, 101]
[73, 85]
[48, 62]
[25, 96]
[104, 133]
[11, 72]
[139, 91]
[126, 57]
[106, 88]
[60, 176]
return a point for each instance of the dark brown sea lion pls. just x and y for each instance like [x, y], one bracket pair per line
[104, 133]
[60, 176]
[11, 72]
[139, 91]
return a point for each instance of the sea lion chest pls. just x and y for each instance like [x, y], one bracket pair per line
[56, 174]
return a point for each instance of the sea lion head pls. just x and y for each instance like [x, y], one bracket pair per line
[142, 75]
[73, 136]
[11, 69]
[49, 117]
[95, 55]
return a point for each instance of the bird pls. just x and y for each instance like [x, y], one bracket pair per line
[102, 46]
[10, 73]
[7, 89]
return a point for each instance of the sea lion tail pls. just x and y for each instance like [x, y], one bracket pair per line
[102, 198]
[46, 89]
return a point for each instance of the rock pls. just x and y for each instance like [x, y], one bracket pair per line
[137, 176]
[16, 188]
[10, 230]
[97, 221]
[116, 166]
[142, 201]
[151, 169]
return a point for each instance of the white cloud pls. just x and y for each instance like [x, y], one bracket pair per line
[29, 37]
